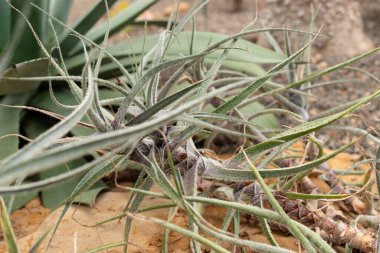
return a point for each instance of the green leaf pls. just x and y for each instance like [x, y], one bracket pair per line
[21, 199]
[291, 224]
[297, 132]
[244, 67]
[244, 51]
[59, 130]
[220, 173]
[31, 68]
[118, 22]
[61, 10]
[297, 195]
[5, 24]
[157, 22]
[162, 104]
[52, 197]
[266, 121]
[10, 123]
[66, 152]
[238, 98]
[37, 244]
[105, 247]
[95, 175]
[245, 57]
[42, 100]
[84, 24]
[6, 227]
[27, 48]
[88, 197]
[316, 240]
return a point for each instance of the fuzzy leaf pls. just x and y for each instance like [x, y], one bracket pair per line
[51, 198]
[70, 151]
[219, 173]
[42, 100]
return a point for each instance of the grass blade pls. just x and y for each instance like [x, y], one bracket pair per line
[37, 244]
[286, 219]
[6, 227]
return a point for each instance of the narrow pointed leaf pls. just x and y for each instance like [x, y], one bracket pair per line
[118, 22]
[6, 227]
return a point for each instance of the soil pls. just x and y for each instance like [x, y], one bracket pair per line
[26, 220]
[79, 230]
[351, 28]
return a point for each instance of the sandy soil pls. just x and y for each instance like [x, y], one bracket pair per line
[77, 229]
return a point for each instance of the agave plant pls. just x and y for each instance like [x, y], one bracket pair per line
[157, 125]
[19, 45]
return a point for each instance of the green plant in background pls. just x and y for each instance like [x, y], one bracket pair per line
[19, 45]
[127, 55]
[72, 137]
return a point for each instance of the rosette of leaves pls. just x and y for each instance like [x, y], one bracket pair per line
[61, 42]
[112, 109]
[20, 51]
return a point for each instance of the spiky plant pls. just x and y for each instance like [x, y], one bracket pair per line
[152, 123]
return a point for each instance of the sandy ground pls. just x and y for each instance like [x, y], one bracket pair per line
[78, 229]
[77, 226]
